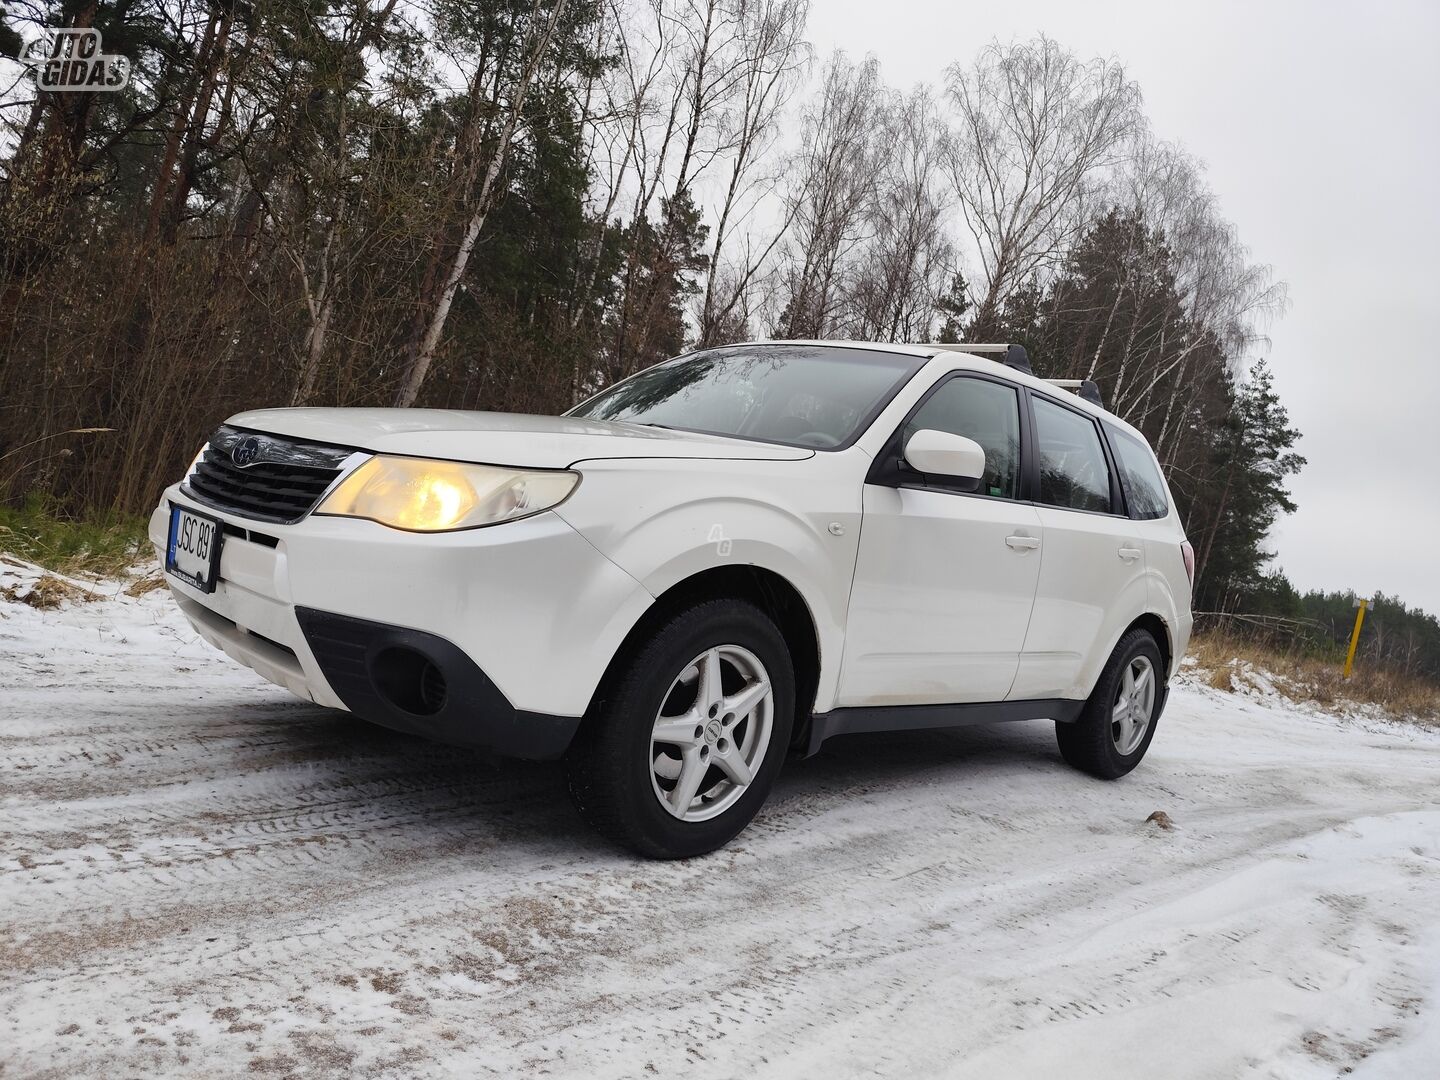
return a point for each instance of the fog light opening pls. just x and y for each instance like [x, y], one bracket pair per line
[408, 680]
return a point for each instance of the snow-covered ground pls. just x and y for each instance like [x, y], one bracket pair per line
[202, 876]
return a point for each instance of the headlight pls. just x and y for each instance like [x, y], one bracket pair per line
[437, 496]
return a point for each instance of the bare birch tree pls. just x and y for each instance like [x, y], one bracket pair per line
[909, 257]
[771, 53]
[1225, 299]
[1036, 127]
[833, 183]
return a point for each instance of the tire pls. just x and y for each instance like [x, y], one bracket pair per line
[626, 773]
[1099, 741]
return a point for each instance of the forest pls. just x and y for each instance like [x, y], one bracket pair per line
[510, 204]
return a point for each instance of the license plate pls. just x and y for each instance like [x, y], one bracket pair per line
[193, 554]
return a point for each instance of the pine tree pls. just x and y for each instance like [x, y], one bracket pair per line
[954, 306]
[663, 265]
[1253, 455]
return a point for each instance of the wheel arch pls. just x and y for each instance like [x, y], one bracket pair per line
[769, 591]
[1158, 629]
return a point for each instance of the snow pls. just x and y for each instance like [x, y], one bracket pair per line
[201, 875]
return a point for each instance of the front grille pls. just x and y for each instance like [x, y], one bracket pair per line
[282, 479]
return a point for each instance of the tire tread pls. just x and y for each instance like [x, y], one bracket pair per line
[600, 778]
[1086, 743]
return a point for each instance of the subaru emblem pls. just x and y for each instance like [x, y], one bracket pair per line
[245, 451]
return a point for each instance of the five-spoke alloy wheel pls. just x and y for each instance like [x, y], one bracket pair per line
[711, 733]
[1134, 705]
[1115, 727]
[688, 733]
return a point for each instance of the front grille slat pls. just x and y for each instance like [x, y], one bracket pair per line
[297, 477]
[259, 483]
[283, 481]
[240, 489]
[239, 493]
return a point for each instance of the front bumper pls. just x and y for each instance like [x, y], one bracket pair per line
[413, 681]
[530, 607]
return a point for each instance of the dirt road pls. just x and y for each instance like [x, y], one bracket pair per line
[202, 876]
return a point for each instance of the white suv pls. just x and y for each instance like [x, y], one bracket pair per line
[727, 557]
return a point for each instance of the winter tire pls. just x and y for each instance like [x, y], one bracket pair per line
[1118, 721]
[685, 744]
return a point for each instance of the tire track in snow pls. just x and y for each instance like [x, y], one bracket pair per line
[231, 881]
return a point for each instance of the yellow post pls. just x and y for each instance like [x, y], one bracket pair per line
[1355, 637]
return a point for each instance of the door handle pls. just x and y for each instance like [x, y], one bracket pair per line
[1129, 554]
[1023, 543]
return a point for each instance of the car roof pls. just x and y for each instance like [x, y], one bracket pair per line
[974, 361]
[873, 346]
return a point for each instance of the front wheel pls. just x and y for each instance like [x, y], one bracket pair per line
[683, 748]
[1118, 721]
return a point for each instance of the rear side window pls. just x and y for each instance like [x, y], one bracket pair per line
[984, 411]
[1144, 490]
[1073, 473]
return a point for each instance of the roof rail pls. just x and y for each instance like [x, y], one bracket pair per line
[1085, 388]
[963, 346]
[1016, 357]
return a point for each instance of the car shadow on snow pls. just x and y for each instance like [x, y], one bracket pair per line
[527, 802]
[869, 762]
[393, 779]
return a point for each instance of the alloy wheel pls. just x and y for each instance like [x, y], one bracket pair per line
[712, 732]
[1134, 705]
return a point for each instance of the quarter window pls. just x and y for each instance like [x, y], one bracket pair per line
[1139, 476]
[985, 411]
[1073, 473]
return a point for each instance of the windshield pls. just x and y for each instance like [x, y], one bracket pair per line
[799, 395]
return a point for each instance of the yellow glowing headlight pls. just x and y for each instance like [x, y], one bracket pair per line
[437, 496]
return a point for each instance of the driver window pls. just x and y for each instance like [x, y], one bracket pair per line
[987, 412]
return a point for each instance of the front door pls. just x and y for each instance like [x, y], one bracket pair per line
[945, 580]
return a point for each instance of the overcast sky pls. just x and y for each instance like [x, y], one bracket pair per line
[1320, 127]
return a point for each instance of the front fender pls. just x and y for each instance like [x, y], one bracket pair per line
[662, 525]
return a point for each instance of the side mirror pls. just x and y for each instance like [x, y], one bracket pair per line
[941, 453]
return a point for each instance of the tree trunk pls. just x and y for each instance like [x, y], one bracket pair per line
[421, 355]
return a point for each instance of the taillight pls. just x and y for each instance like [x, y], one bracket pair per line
[1188, 554]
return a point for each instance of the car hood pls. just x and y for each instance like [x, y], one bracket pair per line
[502, 438]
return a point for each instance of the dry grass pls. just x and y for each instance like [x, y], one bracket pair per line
[1225, 663]
[49, 592]
[146, 584]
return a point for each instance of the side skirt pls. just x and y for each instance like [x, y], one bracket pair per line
[877, 718]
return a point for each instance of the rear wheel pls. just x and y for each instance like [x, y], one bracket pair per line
[1118, 721]
[683, 748]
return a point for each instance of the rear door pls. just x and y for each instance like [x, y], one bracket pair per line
[944, 579]
[1148, 500]
[1092, 576]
